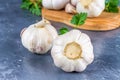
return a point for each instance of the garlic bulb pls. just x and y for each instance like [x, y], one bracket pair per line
[74, 2]
[38, 37]
[54, 4]
[93, 7]
[72, 51]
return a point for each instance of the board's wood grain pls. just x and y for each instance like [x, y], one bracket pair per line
[106, 21]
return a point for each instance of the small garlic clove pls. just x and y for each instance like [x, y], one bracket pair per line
[70, 9]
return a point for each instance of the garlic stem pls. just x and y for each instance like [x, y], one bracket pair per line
[73, 51]
[42, 23]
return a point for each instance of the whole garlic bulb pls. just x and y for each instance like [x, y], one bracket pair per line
[54, 4]
[38, 37]
[72, 51]
[92, 7]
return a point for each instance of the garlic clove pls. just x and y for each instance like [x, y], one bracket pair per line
[68, 67]
[83, 38]
[22, 31]
[87, 49]
[64, 63]
[80, 65]
[70, 9]
[52, 30]
[71, 37]
[57, 49]
[88, 55]
[57, 59]
[24, 37]
[45, 43]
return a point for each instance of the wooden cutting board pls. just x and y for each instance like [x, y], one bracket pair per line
[106, 21]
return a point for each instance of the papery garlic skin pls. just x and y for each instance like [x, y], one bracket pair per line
[54, 4]
[94, 9]
[38, 37]
[76, 64]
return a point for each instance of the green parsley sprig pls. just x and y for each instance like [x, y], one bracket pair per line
[63, 30]
[34, 6]
[79, 19]
[112, 6]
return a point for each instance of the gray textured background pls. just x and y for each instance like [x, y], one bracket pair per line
[17, 63]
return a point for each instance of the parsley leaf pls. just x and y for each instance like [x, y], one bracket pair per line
[112, 6]
[63, 30]
[79, 19]
[34, 6]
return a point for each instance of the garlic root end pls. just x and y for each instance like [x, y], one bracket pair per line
[73, 51]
